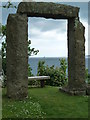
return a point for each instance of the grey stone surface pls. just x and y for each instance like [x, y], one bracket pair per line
[17, 56]
[76, 55]
[72, 92]
[47, 10]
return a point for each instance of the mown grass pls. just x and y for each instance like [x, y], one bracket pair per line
[46, 102]
[20, 109]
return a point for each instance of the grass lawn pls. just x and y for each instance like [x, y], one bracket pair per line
[46, 102]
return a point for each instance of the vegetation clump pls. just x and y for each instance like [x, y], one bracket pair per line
[57, 75]
[48, 102]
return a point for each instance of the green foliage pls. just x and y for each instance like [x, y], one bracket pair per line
[20, 109]
[4, 49]
[87, 77]
[34, 84]
[29, 71]
[3, 35]
[60, 105]
[31, 51]
[9, 5]
[48, 102]
[86, 73]
[4, 65]
[0, 29]
[41, 68]
[0, 52]
[63, 65]
[57, 75]
[4, 30]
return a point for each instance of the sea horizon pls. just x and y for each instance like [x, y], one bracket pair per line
[54, 57]
[33, 61]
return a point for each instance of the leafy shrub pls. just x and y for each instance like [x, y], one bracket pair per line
[57, 75]
[34, 83]
[87, 77]
[29, 71]
[41, 68]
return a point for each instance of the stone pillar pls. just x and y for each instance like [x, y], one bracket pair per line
[17, 56]
[76, 56]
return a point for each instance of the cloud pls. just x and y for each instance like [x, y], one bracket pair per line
[46, 24]
[50, 42]
[50, 36]
[11, 0]
[39, 26]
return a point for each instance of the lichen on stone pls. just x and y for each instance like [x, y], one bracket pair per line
[76, 22]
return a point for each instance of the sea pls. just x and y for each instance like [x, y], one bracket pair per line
[33, 61]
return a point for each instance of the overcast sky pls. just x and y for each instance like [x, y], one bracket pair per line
[49, 36]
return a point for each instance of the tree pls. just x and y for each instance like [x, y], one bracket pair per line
[57, 75]
[31, 51]
[9, 5]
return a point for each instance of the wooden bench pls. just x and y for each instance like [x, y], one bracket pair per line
[40, 78]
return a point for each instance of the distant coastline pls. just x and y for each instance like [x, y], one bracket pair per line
[86, 56]
[46, 57]
[33, 61]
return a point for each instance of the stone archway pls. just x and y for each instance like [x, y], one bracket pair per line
[17, 56]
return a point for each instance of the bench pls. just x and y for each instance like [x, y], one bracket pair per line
[40, 78]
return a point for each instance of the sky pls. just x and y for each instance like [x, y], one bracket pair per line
[56, 0]
[49, 36]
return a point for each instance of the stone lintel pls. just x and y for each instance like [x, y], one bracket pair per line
[48, 10]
